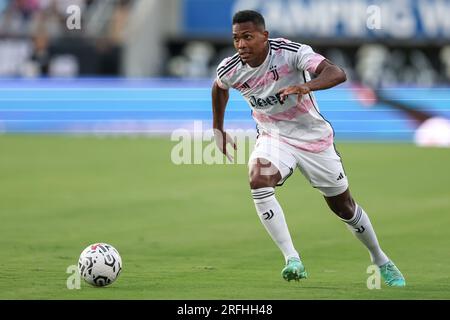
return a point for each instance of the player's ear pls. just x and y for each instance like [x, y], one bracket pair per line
[266, 35]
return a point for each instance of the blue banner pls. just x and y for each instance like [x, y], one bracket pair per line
[352, 19]
[158, 107]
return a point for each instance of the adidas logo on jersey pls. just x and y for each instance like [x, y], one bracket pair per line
[341, 176]
[260, 103]
[244, 86]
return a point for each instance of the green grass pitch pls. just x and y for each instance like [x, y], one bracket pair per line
[191, 231]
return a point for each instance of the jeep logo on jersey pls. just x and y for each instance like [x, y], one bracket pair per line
[260, 103]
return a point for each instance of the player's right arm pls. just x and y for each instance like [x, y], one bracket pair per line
[220, 98]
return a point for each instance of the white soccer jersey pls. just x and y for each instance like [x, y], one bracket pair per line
[295, 121]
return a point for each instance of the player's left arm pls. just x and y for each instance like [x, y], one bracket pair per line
[328, 76]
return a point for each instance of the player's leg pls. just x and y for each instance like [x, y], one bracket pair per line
[325, 172]
[358, 222]
[262, 185]
[263, 177]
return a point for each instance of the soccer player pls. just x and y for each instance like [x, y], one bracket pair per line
[273, 75]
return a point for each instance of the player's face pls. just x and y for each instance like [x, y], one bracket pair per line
[250, 41]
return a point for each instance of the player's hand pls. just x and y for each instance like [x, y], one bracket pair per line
[222, 139]
[300, 89]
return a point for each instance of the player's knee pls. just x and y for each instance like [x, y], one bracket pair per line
[263, 174]
[260, 181]
[344, 208]
[347, 209]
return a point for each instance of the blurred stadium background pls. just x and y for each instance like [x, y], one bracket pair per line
[145, 68]
[128, 52]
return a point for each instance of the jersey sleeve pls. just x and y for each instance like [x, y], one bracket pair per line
[307, 59]
[222, 84]
[222, 79]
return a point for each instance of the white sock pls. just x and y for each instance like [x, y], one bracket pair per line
[272, 217]
[362, 228]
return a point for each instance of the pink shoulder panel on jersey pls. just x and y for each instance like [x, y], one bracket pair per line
[314, 62]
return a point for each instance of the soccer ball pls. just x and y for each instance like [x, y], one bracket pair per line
[100, 264]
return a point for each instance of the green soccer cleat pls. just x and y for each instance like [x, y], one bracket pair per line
[294, 270]
[391, 275]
